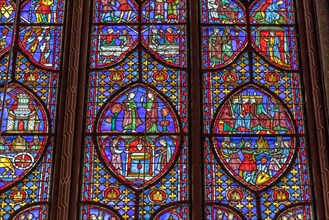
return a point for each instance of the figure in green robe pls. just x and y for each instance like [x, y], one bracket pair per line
[228, 11]
[152, 117]
[215, 50]
[131, 118]
[172, 9]
[227, 49]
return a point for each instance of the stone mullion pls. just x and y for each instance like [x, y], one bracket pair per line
[65, 192]
[195, 121]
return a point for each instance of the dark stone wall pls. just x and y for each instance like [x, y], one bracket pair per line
[322, 11]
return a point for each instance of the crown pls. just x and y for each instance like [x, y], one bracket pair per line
[22, 96]
[160, 77]
[31, 77]
[19, 143]
[235, 196]
[273, 78]
[281, 196]
[47, 2]
[157, 196]
[262, 144]
[18, 196]
[112, 194]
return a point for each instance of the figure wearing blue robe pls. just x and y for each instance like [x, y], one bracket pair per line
[273, 45]
[3, 144]
[285, 151]
[164, 155]
[238, 117]
[242, 119]
[272, 15]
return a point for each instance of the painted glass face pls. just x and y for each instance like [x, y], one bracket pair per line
[255, 152]
[135, 159]
[30, 48]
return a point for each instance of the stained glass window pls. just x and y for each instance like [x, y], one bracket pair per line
[255, 147]
[135, 161]
[30, 58]
[141, 118]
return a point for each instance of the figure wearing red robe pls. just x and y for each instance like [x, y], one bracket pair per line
[110, 38]
[227, 118]
[140, 157]
[152, 116]
[124, 7]
[248, 166]
[246, 109]
[43, 11]
[280, 118]
[169, 36]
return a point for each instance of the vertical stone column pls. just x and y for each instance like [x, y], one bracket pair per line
[322, 11]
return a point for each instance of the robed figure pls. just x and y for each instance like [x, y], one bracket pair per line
[215, 47]
[279, 118]
[108, 10]
[152, 116]
[140, 158]
[131, 118]
[260, 120]
[116, 155]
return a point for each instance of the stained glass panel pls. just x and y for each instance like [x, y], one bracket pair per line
[30, 50]
[255, 150]
[136, 141]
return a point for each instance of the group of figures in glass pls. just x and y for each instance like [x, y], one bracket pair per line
[226, 11]
[253, 120]
[246, 113]
[123, 11]
[44, 11]
[116, 41]
[111, 8]
[138, 111]
[224, 43]
[138, 158]
[25, 116]
[39, 42]
[223, 213]
[255, 161]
